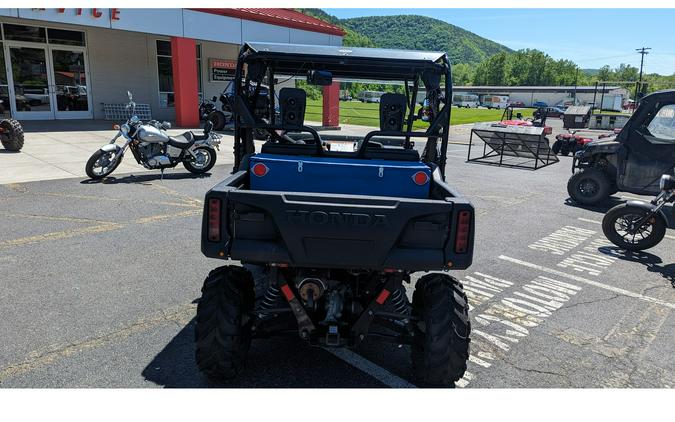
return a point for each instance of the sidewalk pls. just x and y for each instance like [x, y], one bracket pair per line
[60, 149]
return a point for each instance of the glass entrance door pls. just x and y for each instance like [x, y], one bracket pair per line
[71, 94]
[46, 82]
[30, 96]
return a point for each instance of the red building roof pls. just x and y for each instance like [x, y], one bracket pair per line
[283, 17]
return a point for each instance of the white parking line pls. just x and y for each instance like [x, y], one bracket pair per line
[589, 282]
[600, 222]
[375, 371]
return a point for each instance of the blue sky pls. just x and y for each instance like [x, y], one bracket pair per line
[589, 37]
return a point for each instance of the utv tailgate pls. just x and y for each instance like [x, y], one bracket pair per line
[336, 231]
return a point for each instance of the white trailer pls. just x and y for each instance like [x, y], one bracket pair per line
[495, 101]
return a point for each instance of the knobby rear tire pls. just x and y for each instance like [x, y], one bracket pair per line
[12, 139]
[440, 348]
[222, 332]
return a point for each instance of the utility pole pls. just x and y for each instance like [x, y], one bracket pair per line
[642, 51]
[576, 78]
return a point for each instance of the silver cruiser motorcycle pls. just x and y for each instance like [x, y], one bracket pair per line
[153, 148]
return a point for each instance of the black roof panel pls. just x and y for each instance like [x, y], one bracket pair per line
[347, 62]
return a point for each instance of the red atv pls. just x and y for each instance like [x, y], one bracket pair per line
[566, 143]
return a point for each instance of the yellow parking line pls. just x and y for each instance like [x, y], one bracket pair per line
[185, 198]
[16, 187]
[40, 238]
[180, 315]
[103, 198]
[54, 218]
[58, 235]
[155, 218]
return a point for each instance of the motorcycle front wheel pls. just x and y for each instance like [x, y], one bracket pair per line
[102, 163]
[206, 159]
[619, 225]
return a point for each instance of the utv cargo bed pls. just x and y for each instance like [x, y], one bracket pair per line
[319, 230]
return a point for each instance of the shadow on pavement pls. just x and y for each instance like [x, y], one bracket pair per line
[272, 363]
[602, 208]
[650, 261]
[112, 180]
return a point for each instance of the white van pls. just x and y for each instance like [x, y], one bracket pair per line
[370, 96]
[495, 101]
[466, 100]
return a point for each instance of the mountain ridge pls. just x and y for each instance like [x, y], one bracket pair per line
[413, 32]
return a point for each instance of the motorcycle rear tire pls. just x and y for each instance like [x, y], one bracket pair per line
[218, 120]
[201, 170]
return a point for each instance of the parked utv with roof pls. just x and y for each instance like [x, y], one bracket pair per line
[330, 227]
[634, 160]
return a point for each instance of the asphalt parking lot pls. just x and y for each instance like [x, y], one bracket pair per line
[99, 283]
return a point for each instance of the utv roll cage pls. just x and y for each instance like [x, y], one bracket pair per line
[259, 63]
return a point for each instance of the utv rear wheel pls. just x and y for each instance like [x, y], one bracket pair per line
[223, 332]
[440, 347]
[589, 186]
[11, 134]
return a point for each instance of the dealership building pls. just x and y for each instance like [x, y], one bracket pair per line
[79, 63]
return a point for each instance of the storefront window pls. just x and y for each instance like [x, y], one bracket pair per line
[165, 73]
[62, 36]
[24, 33]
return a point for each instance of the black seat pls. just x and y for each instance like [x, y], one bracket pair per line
[393, 154]
[288, 149]
[182, 141]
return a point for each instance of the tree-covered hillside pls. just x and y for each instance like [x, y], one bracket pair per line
[424, 33]
[414, 33]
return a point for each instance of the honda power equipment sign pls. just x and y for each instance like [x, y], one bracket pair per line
[221, 70]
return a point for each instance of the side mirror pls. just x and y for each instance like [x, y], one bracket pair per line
[214, 98]
[319, 77]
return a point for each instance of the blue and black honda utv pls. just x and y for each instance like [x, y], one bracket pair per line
[328, 228]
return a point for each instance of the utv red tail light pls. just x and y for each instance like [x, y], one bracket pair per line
[463, 231]
[420, 178]
[214, 220]
[260, 169]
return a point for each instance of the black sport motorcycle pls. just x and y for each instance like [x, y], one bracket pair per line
[638, 225]
[208, 109]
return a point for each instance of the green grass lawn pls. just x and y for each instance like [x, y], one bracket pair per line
[367, 114]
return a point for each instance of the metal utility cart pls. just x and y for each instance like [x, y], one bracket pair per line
[523, 147]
